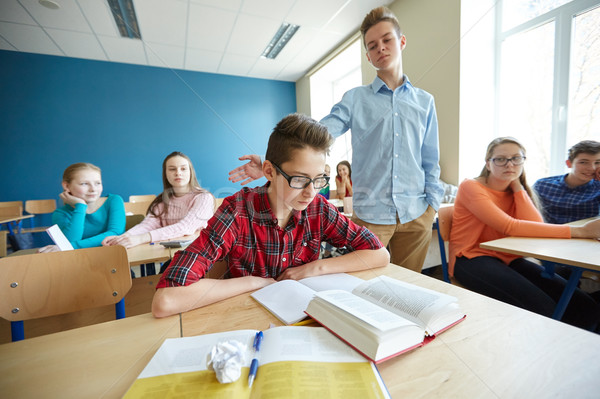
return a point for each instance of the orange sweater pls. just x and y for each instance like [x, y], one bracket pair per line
[482, 214]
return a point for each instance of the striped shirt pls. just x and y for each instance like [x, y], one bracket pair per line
[245, 230]
[563, 204]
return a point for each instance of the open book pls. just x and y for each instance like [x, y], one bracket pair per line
[288, 299]
[384, 317]
[59, 238]
[292, 361]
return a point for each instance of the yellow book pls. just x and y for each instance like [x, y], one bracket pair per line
[294, 362]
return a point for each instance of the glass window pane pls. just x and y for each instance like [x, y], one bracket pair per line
[584, 88]
[515, 12]
[525, 108]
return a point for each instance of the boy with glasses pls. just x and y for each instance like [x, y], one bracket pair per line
[395, 147]
[576, 195]
[273, 232]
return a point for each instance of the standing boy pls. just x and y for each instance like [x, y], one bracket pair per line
[395, 147]
[576, 195]
[270, 232]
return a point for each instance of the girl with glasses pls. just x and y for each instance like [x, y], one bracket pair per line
[496, 204]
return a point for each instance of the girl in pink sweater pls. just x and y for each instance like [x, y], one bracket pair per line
[498, 204]
[183, 208]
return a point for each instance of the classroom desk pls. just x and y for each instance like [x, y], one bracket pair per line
[8, 219]
[147, 253]
[99, 361]
[498, 351]
[578, 253]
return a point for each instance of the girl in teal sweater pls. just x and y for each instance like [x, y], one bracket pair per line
[86, 219]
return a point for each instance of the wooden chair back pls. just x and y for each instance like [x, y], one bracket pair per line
[217, 271]
[137, 208]
[48, 284]
[6, 204]
[445, 214]
[38, 207]
[218, 202]
[142, 198]
[132, 220]
[11, 211]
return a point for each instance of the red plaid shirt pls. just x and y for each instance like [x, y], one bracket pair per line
[245, 230]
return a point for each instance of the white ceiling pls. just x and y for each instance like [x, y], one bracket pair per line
[217, 36]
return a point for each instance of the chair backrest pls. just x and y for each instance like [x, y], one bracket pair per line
[10, 211]
[132, 220]
[5, 204]
[445, 214]
[142, 198]
[48, 284]
[37, 207]
[218, 202]
[137, 208]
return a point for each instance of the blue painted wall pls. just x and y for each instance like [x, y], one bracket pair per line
[55, 111]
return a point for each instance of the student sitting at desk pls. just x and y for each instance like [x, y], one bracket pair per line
[86, 219]
[343, 180]
[270, 232]
[183, 208]
[498, 204]
[576, 195]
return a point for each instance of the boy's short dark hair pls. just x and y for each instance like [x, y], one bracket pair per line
[584, 147]
[294, 132]
[377, 15]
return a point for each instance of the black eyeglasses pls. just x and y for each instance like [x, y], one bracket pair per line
[301, 182]
[501, 161]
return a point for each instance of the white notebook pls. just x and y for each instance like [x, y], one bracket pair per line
[59, 238]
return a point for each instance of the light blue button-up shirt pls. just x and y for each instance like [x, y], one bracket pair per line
[395, 150]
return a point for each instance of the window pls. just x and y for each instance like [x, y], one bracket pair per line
[547, 82]
[327, 86]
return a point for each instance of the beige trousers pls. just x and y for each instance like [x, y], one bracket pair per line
[408, 243]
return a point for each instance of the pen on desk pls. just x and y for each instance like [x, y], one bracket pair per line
[254, 365]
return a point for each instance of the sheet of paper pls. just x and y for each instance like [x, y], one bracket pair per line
[59, 238]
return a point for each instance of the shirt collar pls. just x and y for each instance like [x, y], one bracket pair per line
[262, 208]
[378, 84]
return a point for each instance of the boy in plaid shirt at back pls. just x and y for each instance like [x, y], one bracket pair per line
[576, 195]
[273, 232]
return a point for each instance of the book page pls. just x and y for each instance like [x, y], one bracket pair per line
[413, 302]
[336, 281]
[59, 238]
[292, 361]
[376, 316]
[286, 299]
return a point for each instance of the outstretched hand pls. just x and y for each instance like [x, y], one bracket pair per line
[248, 172]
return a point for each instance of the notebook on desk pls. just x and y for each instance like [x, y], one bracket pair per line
[59, 238]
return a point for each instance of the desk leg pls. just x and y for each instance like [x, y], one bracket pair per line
[17, 330]
[561, 306]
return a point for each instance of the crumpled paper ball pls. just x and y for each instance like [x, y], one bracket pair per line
[226, 359]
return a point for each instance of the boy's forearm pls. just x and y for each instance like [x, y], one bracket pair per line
[356, 261]
[172, 300]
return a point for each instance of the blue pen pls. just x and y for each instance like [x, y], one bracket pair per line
[254, 365]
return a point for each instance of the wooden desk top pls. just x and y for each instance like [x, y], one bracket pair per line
[7, 219]
[99, 361]
[498, 351]
[147, 253]
[582, 252]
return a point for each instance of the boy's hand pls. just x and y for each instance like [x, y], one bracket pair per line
[299, 272]
[249, 171]
[598, 173]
